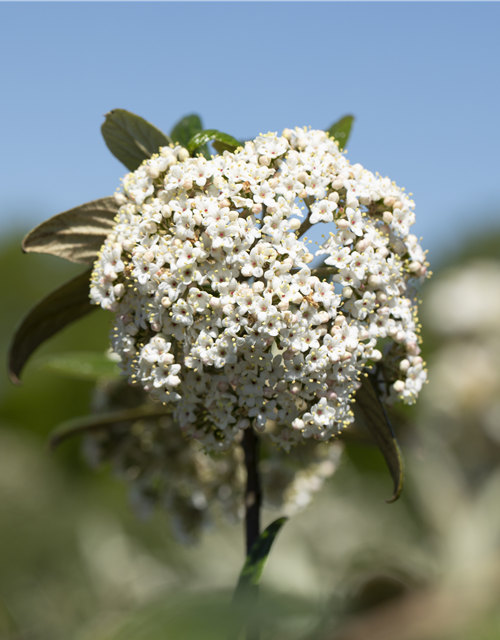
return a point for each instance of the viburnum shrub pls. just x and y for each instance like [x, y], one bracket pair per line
[229, 327]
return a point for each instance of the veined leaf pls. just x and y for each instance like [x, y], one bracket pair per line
[185, 129]
[367, 399]
[77, 234]
[256, 559]
[130, 138]
[212, 134]
[83, 365]
[102, 421]
[50, 315]
[341, 130]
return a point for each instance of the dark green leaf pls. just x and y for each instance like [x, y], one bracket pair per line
[130, 138]
[220, 147]
[256, 559]
[367, 399]
[341, 130]
[50, 315]
[82, 365]
[212, 134]
[102, 421]
[77, 234]
[185, 129]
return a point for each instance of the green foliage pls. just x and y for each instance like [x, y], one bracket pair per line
[82, 365]
[50, 315]
[77, 426]
[75, 235]
[380, 428]
[203, 137]
[256, 559]
[130, 138]
[341, 130]
[185, 129]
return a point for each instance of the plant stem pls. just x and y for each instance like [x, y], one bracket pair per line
[253, 499]
[253, 496]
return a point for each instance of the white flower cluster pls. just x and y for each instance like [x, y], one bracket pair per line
[218, 312]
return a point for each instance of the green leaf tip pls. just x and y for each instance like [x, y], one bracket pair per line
[208, 135]
[341, 130]
[256, 559]
[64, 305]
[185, 129]
[367, 399]
[130, 138]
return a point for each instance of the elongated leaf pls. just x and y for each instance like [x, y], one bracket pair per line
[77, 234]
[84, 424]
[341, 130]
[185, 129]
[212, 134]
[382, 432]
[50, 315]
[130, 138]
[83, 365]
[256, 559]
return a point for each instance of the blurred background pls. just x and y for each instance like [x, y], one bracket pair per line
[75, 561]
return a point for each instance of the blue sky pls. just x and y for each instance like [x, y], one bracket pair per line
[421, 79]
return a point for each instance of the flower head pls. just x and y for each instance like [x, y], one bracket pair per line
[219, 314]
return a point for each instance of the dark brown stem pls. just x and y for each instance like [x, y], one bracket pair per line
[253, 496]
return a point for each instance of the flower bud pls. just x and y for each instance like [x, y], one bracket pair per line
[198, 220]
[166, 211]
[153, 172]
[302, 143]
[339, 320]
[404, 365]
[287, 133]
[187, 184]
[265, 161]
[302, 177]
[295, 388]
[256, 209]
[414, 267]
[183, 154]
[399, 386]
[303, 194]
[361, 246]
[387, 217]
[333, 197]
[374, 281]
[295, 224]
[347, 292]
[258, 286]
[283, 305]
[381, 297]
[375, 355]
[389, 201]
[120, 198]
[298, 424]
[119, 290]
[342, 223]
[223, 386]
[337, 184]
[156, 326]
[233, 215]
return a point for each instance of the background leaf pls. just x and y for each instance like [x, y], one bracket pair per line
[185, 129]
[82, 365]
[75, 235]
[341, 130]
[130, 138]
[203, 137]
[380, 428]
[50, 315]
[102, 421]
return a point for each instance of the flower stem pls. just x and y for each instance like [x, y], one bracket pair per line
[253, 500]
[253, 496]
